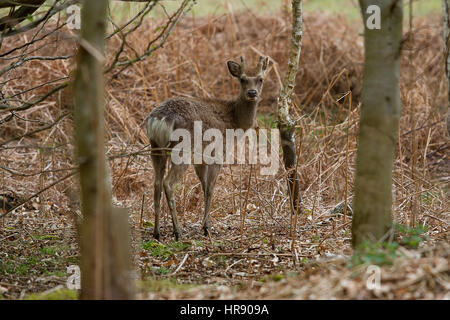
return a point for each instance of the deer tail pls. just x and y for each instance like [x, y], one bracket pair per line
[159, 131]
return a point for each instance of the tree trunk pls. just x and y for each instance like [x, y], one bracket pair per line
[446, 27]
[380, 113]
[285, 124]
[104, 240]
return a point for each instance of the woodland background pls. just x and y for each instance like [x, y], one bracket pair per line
[259, 257]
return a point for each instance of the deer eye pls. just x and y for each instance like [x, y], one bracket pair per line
[260, 80]
[243, 80]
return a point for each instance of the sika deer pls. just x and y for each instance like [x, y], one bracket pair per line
[214, 113]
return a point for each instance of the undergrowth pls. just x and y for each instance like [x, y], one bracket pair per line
[384, 253]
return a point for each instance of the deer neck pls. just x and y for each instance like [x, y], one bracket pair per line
[244, 113]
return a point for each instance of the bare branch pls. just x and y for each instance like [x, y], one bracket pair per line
[160, 39]
[33, 174]
[28, 105]
[17, 16]
[25, 3]
[36, 131]
[33, 41]
[51, 12]
[39, 192]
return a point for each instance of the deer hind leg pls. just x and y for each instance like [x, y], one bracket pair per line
[170, 182]
[159, 166]
[208, 176]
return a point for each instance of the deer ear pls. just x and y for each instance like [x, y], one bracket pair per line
[265, 65]
[234, 68]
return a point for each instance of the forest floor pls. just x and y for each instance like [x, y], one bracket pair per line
[255, 250]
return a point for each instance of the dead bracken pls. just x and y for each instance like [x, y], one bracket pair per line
[38, 241]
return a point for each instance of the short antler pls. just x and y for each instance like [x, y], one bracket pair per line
[242, 65]
[260, 64]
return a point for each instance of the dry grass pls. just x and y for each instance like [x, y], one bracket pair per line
[192, 63]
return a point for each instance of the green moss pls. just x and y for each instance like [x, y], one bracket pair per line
[73, 260]
[220, 259]
[428, 197]
[148, 224]
[47, 261]
[18, 266]
[52, 250]
[48, 250]
[198, 243]
[277, 277]
[178, 246]
[162, 270]
[412, 237]
[157, 249]
[7, 267]
[218, 244]
[154, 285]
[56, 273]
[45, 237]
[60, 294]
[378, 253]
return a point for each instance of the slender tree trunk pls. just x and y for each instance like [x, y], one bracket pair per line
[446, 27]
[104, 241]
[380, 112]
[285, 124]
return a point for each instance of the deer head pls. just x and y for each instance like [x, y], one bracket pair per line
[251, 80]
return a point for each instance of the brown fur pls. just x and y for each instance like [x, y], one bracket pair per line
[214, 113]
[219, 114]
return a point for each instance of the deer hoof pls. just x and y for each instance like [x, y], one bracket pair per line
[177, 236]
[156, 235]
[206, 230]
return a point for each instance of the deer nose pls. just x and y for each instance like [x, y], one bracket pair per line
[252, 93]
